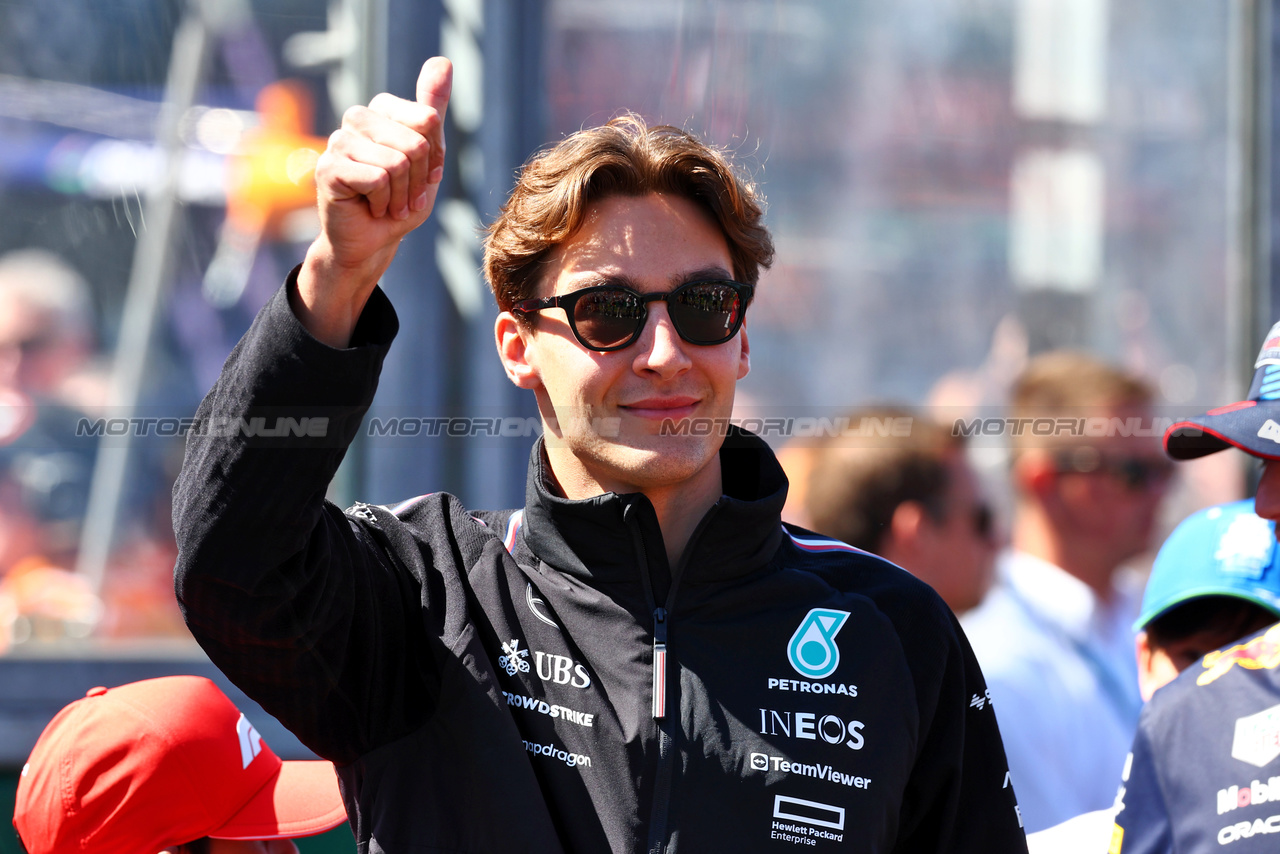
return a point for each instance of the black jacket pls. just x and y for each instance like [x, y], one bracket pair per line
[494, 681]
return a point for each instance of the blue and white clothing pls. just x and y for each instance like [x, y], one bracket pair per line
[1060, 665]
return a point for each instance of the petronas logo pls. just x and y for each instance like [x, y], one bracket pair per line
[812, 650]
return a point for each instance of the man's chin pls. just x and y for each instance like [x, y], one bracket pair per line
[660, 462]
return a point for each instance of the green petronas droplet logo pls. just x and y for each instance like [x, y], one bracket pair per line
[812, 650]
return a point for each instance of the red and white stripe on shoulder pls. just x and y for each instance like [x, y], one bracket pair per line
[513, 529]
[409, 503]
[819, 543]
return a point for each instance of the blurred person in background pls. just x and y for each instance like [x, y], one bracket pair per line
[46, 329]
[48, 382]
[1215, 581]
[913, 499]
[167, 765]
[1055, 634]
[1203, 772]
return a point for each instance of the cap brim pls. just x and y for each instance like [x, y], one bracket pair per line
[1234, 426]
[1261, 598]
[300, 800]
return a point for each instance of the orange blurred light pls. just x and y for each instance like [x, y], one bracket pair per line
[272, 172]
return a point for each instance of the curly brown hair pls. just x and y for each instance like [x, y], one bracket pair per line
[625, 157]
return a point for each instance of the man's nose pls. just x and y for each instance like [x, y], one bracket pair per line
[660, 347]
[1267, 502]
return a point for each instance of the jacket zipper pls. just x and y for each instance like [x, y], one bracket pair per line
[659, 663]
[662, 781]
[666, 726]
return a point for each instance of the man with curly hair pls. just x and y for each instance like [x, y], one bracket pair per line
[642, 658]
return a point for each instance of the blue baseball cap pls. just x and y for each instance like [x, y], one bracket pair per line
[1226, 550]
[1252, 425]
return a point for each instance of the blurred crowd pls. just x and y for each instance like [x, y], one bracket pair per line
[53, 386]
[1047, 591]
[1043, 555]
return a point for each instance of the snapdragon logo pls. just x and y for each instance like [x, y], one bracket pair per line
[573, 760]
[812, 650]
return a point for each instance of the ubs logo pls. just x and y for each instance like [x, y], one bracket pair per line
[812, 650]
[561, 670]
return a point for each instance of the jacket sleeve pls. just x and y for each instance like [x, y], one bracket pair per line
[959, 798]
[299, 604]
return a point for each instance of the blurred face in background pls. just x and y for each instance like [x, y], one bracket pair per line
[1267, 502]
[962, 545]
[36, 354]
[1109, 491]
[951, 543]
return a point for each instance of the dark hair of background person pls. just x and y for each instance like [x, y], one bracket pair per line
[856, 483]
[1221, 617]
[1069, 383]
[625, 157]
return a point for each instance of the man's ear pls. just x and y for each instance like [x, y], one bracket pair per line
[1147, 681]
[514, 340]
[1034, 472]
[906, 523]
[744, 356]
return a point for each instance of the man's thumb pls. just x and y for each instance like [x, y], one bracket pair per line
[435, 81]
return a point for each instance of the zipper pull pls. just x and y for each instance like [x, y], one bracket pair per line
[659, 663]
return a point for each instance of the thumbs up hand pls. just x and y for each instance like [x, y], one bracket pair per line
[376, 181]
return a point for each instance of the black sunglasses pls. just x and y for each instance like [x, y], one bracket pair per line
[610, 317]
[1136, 473]
[982, 519]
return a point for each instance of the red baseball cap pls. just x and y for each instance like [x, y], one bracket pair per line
[163, 762]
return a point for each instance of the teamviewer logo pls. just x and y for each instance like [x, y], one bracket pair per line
[760, 762]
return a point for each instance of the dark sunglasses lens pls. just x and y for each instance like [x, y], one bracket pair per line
[983, 521]
[1141, 474]
[706, 312]
[608, 318]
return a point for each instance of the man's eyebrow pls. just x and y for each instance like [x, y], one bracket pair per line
[621, 280]
[595, 280]
[702, 274]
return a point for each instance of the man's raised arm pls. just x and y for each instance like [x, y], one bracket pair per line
[376, 182]
[296, 602]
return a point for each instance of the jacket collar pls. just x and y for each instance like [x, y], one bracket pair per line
[596, 538]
